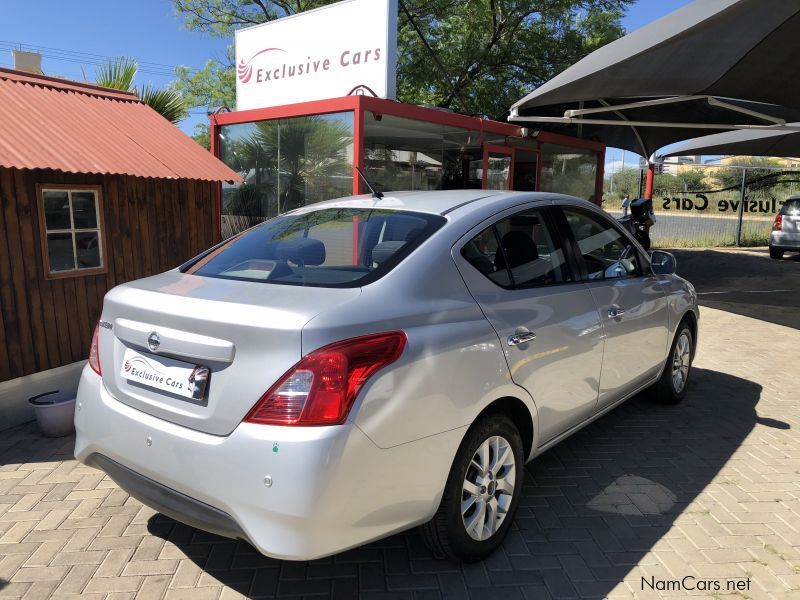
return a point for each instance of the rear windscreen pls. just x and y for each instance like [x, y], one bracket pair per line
[331, 247]
[791, 207]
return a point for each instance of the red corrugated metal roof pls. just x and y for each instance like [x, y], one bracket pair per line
[56, 124]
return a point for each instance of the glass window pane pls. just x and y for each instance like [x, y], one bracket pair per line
[532, 254]
[569, 171]
[87, 245]
[404, 154]
[84, 211]
[483, 253]
[606, 253]
[59, 252]
[56, 210]
[327, 247]
[285, 164]
[498, 171]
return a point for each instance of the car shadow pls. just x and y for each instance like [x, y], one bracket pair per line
[747, 283]
[592, 507]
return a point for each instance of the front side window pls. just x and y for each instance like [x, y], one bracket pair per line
[330, 247]
[71, 231]
[606, 252]
[518, 251]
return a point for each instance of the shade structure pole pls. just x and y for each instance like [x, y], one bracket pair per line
[648, 185]
[740, 216]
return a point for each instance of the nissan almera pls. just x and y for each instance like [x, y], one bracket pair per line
[358, 367]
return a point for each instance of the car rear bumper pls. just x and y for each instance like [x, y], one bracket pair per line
[785, 241]
[330, 488]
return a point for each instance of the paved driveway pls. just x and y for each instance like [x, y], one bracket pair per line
[745, 281]
[645, 496]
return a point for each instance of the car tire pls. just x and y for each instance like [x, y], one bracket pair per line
[775, 253]
[674, 382]
[480, 486]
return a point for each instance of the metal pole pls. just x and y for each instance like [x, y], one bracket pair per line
[741, 209]
[641, 184]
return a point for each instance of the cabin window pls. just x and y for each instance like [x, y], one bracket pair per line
[72, 232]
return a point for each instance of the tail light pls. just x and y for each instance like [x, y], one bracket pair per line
[94, 354]
[321, 388]
[777, 224]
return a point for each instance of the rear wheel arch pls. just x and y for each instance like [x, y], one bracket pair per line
[519, 413]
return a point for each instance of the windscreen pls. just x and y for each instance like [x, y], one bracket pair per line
[330, 247]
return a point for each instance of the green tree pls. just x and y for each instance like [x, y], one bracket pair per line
[692, 180]
[731, 176]
[624, 182]
[120, 73]
[491, 52]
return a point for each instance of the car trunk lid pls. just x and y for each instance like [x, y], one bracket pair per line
[246, 334]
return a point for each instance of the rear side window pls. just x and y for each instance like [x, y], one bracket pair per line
[791, 207]
[342, 247]
[518, 251]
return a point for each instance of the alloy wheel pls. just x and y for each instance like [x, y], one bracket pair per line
[488, 488]
[681, 361]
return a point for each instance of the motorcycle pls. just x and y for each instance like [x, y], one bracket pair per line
[640, 220]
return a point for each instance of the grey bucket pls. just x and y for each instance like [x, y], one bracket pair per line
[55, 412]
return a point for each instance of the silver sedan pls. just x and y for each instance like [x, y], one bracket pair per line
[358, 367]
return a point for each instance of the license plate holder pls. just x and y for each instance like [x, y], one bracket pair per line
[165, 374]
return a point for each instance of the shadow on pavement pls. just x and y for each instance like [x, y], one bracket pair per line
[593, 506]
[25, 444]
[746, 282]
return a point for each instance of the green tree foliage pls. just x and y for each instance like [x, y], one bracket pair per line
[725, 177]
[120, 73]
[626, 182]
[492, 52]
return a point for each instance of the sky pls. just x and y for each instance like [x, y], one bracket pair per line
[147, 30]
[75, 36]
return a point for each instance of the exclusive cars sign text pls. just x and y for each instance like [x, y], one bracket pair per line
[288, 70]
[349, 47]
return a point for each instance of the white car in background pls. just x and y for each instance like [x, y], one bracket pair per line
[785, 235]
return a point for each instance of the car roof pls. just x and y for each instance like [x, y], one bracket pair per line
[459, 203]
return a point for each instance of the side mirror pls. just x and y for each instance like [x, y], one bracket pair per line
[662, 263]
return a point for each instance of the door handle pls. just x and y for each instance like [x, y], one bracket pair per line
[521, 338]
[615, 311]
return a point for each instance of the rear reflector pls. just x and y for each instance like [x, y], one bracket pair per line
[777, 224]
[94, 354]
[321, 388]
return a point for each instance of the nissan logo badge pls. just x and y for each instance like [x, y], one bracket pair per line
[154, 341]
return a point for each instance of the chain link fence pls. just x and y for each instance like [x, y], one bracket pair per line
[738, 214]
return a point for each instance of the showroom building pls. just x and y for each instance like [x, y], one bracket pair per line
[313, 103]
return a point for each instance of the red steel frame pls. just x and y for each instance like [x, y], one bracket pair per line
[380, 106]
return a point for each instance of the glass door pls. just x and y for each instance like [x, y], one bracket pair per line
[498, 167]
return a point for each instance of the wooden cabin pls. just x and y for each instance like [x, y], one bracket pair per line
[96, 189]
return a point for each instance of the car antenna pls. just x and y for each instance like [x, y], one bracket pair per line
[375, 193]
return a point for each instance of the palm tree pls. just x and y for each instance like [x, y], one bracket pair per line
[119, 75]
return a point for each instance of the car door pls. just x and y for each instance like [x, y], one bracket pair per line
[629, 298]
[516, 269]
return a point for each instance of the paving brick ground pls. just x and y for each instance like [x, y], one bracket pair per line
[709, 489]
